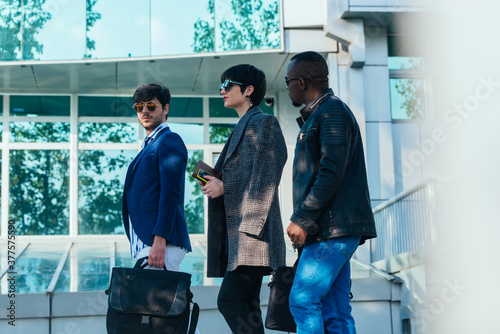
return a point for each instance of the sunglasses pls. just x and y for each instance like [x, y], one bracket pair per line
[291, 79]
[228, 84]
[140, 106]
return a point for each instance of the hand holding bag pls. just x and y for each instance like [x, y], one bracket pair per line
[145, 301]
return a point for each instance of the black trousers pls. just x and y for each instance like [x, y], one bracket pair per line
[239, 299]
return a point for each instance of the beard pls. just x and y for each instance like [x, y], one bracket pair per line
[294, 103]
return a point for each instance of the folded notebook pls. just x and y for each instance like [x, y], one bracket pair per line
[202, 169]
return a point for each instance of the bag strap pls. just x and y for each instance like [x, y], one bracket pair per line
[140, 264]
[194, 318]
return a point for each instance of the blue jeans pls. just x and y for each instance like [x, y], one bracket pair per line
[319, 299]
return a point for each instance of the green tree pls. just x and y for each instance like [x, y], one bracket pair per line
[39, 191]
[204, 32]
[39, 181]
[412, 91]
[91, 19]
[21, 21]
[101, 178]
[219, 134]
[254, 26]
[194, 208]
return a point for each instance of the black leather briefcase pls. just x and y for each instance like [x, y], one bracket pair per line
[145, 301]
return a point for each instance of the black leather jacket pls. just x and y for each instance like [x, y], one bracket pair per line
[330, 187]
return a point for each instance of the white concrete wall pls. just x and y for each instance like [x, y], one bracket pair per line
[380, 153]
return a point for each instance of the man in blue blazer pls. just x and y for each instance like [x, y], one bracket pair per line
[153, 196]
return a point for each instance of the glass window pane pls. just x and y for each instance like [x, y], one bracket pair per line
[186, 107]
[10, 25]
[33, 132]
[123, 257]
[247, 25]
[107, 32]
[39, 191]
[101, 179]
[39, 105]
[407, 98]
[203, 35]
[190, 133]
[36, 267]
[108, 132]
[1, 185]
[106, 106]
[405, 63]
[52, 18]
[216, 109]
[219, 133]
[194, 264]
[193, 196]
[172, 33]
[87, 269]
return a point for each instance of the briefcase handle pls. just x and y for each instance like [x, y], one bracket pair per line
[140, 264]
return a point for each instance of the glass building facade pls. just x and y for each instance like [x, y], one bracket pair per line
[94, 29]
[67, 158]
[65, 153]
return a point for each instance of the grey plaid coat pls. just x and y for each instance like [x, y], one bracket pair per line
[244, 225]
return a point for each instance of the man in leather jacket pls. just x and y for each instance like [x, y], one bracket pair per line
[332, 212]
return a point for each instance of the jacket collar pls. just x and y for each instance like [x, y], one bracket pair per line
[239, 130]
[311, 107]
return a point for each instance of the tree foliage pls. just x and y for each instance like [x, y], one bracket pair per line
[253, 26]
[91, 19]
[194, 208]
[39, 191]
[102, 174]
[412, 91]
[39, 181]
[204, 32]
[21, 21]
[219, 134]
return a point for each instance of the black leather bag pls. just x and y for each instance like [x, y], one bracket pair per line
[278, 309]
[145, 301]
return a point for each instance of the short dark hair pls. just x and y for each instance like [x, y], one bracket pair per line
[248, 75]
[150, 91]
[311, 65]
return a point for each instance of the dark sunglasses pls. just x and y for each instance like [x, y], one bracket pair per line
[150, 105]
[228, 84]
[291, 79]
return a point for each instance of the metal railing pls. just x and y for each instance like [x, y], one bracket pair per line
[405, 222]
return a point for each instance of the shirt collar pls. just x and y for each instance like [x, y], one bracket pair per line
[155, 133]
[158, 129]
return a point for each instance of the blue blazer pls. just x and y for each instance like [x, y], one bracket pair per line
[153, 194]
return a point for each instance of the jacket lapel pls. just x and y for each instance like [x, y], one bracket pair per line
[141, 154]
[239, 130]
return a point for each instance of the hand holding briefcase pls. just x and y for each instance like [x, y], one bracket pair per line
[145, 301]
